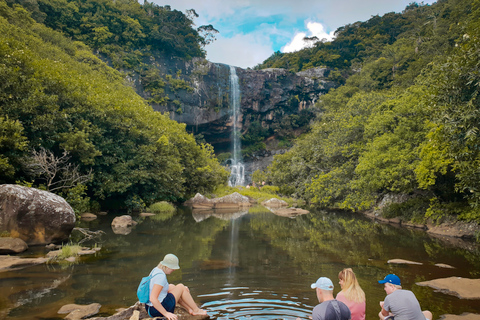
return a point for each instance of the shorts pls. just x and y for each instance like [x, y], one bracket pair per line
[168, 303]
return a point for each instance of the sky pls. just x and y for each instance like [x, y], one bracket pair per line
[250, 31]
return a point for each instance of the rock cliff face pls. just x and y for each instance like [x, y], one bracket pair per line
[197, 93]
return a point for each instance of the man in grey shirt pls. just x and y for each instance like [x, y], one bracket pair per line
[400, 304]
[329, 308]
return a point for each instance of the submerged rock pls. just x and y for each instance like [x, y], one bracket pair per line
[401, 261]
[8, 263]
[443, 265]
[289, 212]
[461, 287]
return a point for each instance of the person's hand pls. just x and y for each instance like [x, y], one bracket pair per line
[170, 316]
[381, 304]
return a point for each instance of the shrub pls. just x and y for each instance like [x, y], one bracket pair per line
[162, 207]
[69, 250]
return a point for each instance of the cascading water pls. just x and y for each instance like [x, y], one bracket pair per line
[237, 172]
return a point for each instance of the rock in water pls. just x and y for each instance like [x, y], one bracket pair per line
[35, 216]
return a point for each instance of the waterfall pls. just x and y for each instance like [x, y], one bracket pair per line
[237, 172]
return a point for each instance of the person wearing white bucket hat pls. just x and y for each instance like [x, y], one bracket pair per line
[164, 296]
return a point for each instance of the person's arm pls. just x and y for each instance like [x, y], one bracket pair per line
[384, 312]
[154, 300]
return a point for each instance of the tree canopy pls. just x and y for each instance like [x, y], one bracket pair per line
[57, 95]
[404, 123]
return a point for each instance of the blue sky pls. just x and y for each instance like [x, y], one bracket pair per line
[251, 30]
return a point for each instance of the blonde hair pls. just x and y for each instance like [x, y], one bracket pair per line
[161, 266]
[351, 288]
[396, 286]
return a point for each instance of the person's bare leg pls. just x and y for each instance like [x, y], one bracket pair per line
[178, 300]
[184, 298]
[428, 315]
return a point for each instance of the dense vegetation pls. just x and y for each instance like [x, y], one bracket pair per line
[69, 123]
[406, 122]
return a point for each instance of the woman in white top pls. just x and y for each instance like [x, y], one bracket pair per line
[164, 296]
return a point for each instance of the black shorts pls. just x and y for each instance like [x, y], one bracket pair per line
[168, 303]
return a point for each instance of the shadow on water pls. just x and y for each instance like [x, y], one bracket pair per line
[238, 265]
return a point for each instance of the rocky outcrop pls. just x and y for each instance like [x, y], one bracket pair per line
[231, 201]
[35, 216]
[203, 100]
[12, 245]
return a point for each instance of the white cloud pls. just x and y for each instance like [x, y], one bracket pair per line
[244, 41]
[315, 30]
[241, 50]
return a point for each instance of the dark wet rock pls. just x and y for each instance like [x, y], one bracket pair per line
[12, 245]
[123, 224]
[462, 288]
[35, 216]
[76, 311]
[8, 263]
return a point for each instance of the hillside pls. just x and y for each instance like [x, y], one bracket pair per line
[404, 127]
[70, 124]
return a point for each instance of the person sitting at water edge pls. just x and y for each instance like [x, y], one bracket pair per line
[163, 296]
[329, 308]
[399, 303]
[352, 294]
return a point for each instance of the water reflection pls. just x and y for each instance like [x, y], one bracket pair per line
[242, 264]
[223, 213]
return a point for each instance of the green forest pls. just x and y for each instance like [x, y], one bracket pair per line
[402, 123]
[405, 122]
[71, 124]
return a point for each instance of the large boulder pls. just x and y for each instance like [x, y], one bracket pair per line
[231, 201]
[35, 216]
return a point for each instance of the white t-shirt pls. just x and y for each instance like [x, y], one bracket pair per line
[159, 278]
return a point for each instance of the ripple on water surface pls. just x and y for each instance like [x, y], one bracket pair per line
[240, 303]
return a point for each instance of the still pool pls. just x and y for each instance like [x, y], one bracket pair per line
[242, 265]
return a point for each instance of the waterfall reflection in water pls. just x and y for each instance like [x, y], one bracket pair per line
[242, 265]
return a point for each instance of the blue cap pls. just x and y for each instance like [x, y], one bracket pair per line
[391, 278]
